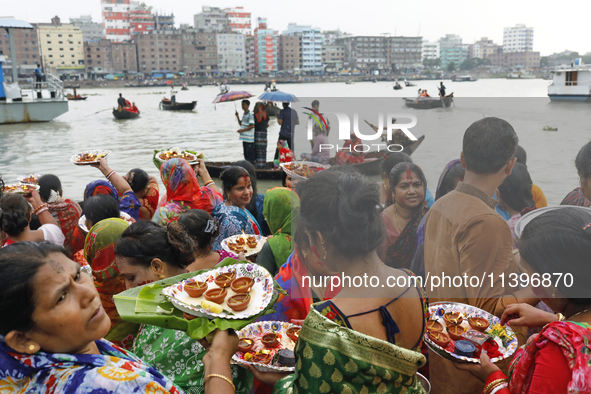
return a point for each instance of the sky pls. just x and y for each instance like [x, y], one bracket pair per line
[557, 26]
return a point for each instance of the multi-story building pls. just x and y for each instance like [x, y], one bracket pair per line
[452, 50]
[163, 21]
[26, 45]
[211, 19]
[365, 53]
[62, 47]
[90, 30]
[250, 61]
[231, 53]
[98, 58]
[515, 60]
[311, 46]
[124, 57]
[289, 53]
[239, 21]
[518, 38]
[333, 57]
[482, 49]
[265, 48]
[404, 53]
[159, 51]
[329, 37]
[141, 19]
[116, 21]
[200, 54]
[430, 50]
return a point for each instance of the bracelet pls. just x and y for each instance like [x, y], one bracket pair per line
[39, 212]
[499, 387]
[208, 182]
[39, 208]
[492, 385]
[217, 375]
[109, 174]
[560, 316]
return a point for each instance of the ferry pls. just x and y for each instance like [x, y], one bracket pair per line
[573, 84]
[464, 78]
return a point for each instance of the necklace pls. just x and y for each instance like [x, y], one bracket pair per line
[578, 313]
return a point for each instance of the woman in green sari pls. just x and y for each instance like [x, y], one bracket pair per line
[367, 339]
[281, 212]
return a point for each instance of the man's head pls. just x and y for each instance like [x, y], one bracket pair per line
[38, 65]
[245, 105]
[489, 145]
[285, 105]
[120, 95]
[315, 104]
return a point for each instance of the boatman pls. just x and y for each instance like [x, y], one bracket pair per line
[121, 102]
[441, 89]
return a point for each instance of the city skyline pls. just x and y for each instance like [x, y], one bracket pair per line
[553, 33]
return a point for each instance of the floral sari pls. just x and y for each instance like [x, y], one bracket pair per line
[66, 213]
[150, 201]
[233, 221]
[128, 202]
[112, 371]
[281, 209]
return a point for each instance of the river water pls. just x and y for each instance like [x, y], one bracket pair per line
[46, 147]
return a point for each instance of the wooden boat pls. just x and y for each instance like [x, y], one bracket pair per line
[409, 84]
[215, 169]
[429, 102]
[184, 88]
[168, 106]
[125, 114]
[397, 86]
[72, 98]
[272, 110]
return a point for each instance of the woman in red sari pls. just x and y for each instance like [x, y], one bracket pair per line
[147, 191]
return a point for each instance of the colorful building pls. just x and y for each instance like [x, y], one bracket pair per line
[116, 20]
[311, 46]
[239, 21]
[265, 48]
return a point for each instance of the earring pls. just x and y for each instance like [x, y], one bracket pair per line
[305, 255]
[31, 347]
[324, 247]
[162, 277]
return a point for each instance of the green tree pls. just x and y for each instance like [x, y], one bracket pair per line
[432, 63]
[544, 61]
[451, 67]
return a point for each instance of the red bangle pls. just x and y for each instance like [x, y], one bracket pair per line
[39, 208]
[494, 376]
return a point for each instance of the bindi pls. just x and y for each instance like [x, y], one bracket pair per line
[58, 268]
[408, 174]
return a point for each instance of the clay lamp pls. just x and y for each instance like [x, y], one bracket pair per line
[263, 358]
[240, 241]
[478, 323]
[239, 302]
[453, 318]
[189, 317]
[440, 338]
[456, 331]
[293, 333]
[434, 326]
[242, 285]
[251, 238]
[270, 340]
[216, 295]
[251, 244]
[245, 344]
[286, 358]
[195, 289]
[224, 280]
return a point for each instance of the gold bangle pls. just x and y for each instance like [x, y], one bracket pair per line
[217, 375]
[489, 387]
[208, 182]
[560, 316]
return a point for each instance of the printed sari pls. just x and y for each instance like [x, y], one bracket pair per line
[281, 209]
[128, 202]
[112, 371]
[150, 200]
[66, 213]
[233, 221]
[336, 359]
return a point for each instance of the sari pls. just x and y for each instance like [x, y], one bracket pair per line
[183, 192]
[233, 221]
[398, 251]
[336, 359]
[150, 200]
[128, 202]
[66, 213]
[343, 158]
[281, 211]
[112, 371]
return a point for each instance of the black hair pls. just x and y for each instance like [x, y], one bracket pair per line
[231, 176]
[285, 105]
[120, 95]
[400, 169]
[450, 180]
[516, 189]
[246, 101]
[14, 214]
[19, 263]
[47, 183]
[583, 161]
[252, 205]
[1, 186]
[521, 155]
[284, 178]
[488, 145]
[344, 169]
[392, 159]
[315, 103]
[139, 179]
[196, 222]
[144, 241]
[100, 207]
[344, 209]
[559, 242]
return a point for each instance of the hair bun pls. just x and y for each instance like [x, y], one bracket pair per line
[14, 222]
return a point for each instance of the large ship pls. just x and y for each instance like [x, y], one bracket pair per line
[26, 100]
[572, 83]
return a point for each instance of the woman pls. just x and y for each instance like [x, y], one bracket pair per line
[15, 216]
[555, 240]
[146, 253]
[146, 189]
[66, 212]
[352, 156]
[261, 121]
[183, 191]
[203, 229]
[52, 342]
[281, 211]
[403, 216]
[515, 196]
[256, 205]
[346, 345]
[581, 196]
[232, 216]
[387, 164]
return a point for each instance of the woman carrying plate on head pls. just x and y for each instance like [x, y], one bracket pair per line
[553, 241]
[147, 253]
[232, 216]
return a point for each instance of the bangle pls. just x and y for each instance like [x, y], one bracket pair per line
[217, 375]
[39, 208]
[109, 174]
[208, 182]
[492, 385]
[560, 316]
[499, 387]
[40, 211]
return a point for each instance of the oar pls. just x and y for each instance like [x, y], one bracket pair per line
[102, 110]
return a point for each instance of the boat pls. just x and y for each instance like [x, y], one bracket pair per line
[215, 169]
[429, 102]
[397, 86]
[464, 78]
[79, 98]
[349, 82]
[169, 106]
[409, 84]
[125, 114]
[184, 88]
[272, 109]
[521, 75]
[571, 84]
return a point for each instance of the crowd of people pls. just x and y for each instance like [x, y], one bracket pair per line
[59, 273]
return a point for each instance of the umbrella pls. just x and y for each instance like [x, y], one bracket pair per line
[279, 96]
[231, 96]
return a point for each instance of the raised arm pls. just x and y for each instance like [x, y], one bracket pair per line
[116, 180]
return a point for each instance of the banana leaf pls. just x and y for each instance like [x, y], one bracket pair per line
[158, 161]
[147, 305]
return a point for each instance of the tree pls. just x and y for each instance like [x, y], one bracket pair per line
[544, 61]
[432, 63]
[468, 64]
[451, 67]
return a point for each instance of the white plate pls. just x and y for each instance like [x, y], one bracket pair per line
[19, 188]
[315, 167]
[22, 178]
[261, 292]
[74, 159]
[195, 159]
[249, 251]
[82, 221]
[258, 329]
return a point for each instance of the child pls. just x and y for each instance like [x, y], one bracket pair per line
[285, 155]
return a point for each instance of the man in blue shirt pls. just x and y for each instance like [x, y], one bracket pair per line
[38, 76]
[288, 119]
[246, 132]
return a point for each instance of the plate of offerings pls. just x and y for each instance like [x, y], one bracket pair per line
[248, 244]
[167, 154]
[88, 157]
[29, 179]
[123, 215]
[20, 188]
[460, 332]
[237, 291]
[302, 170]
[268, 346]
